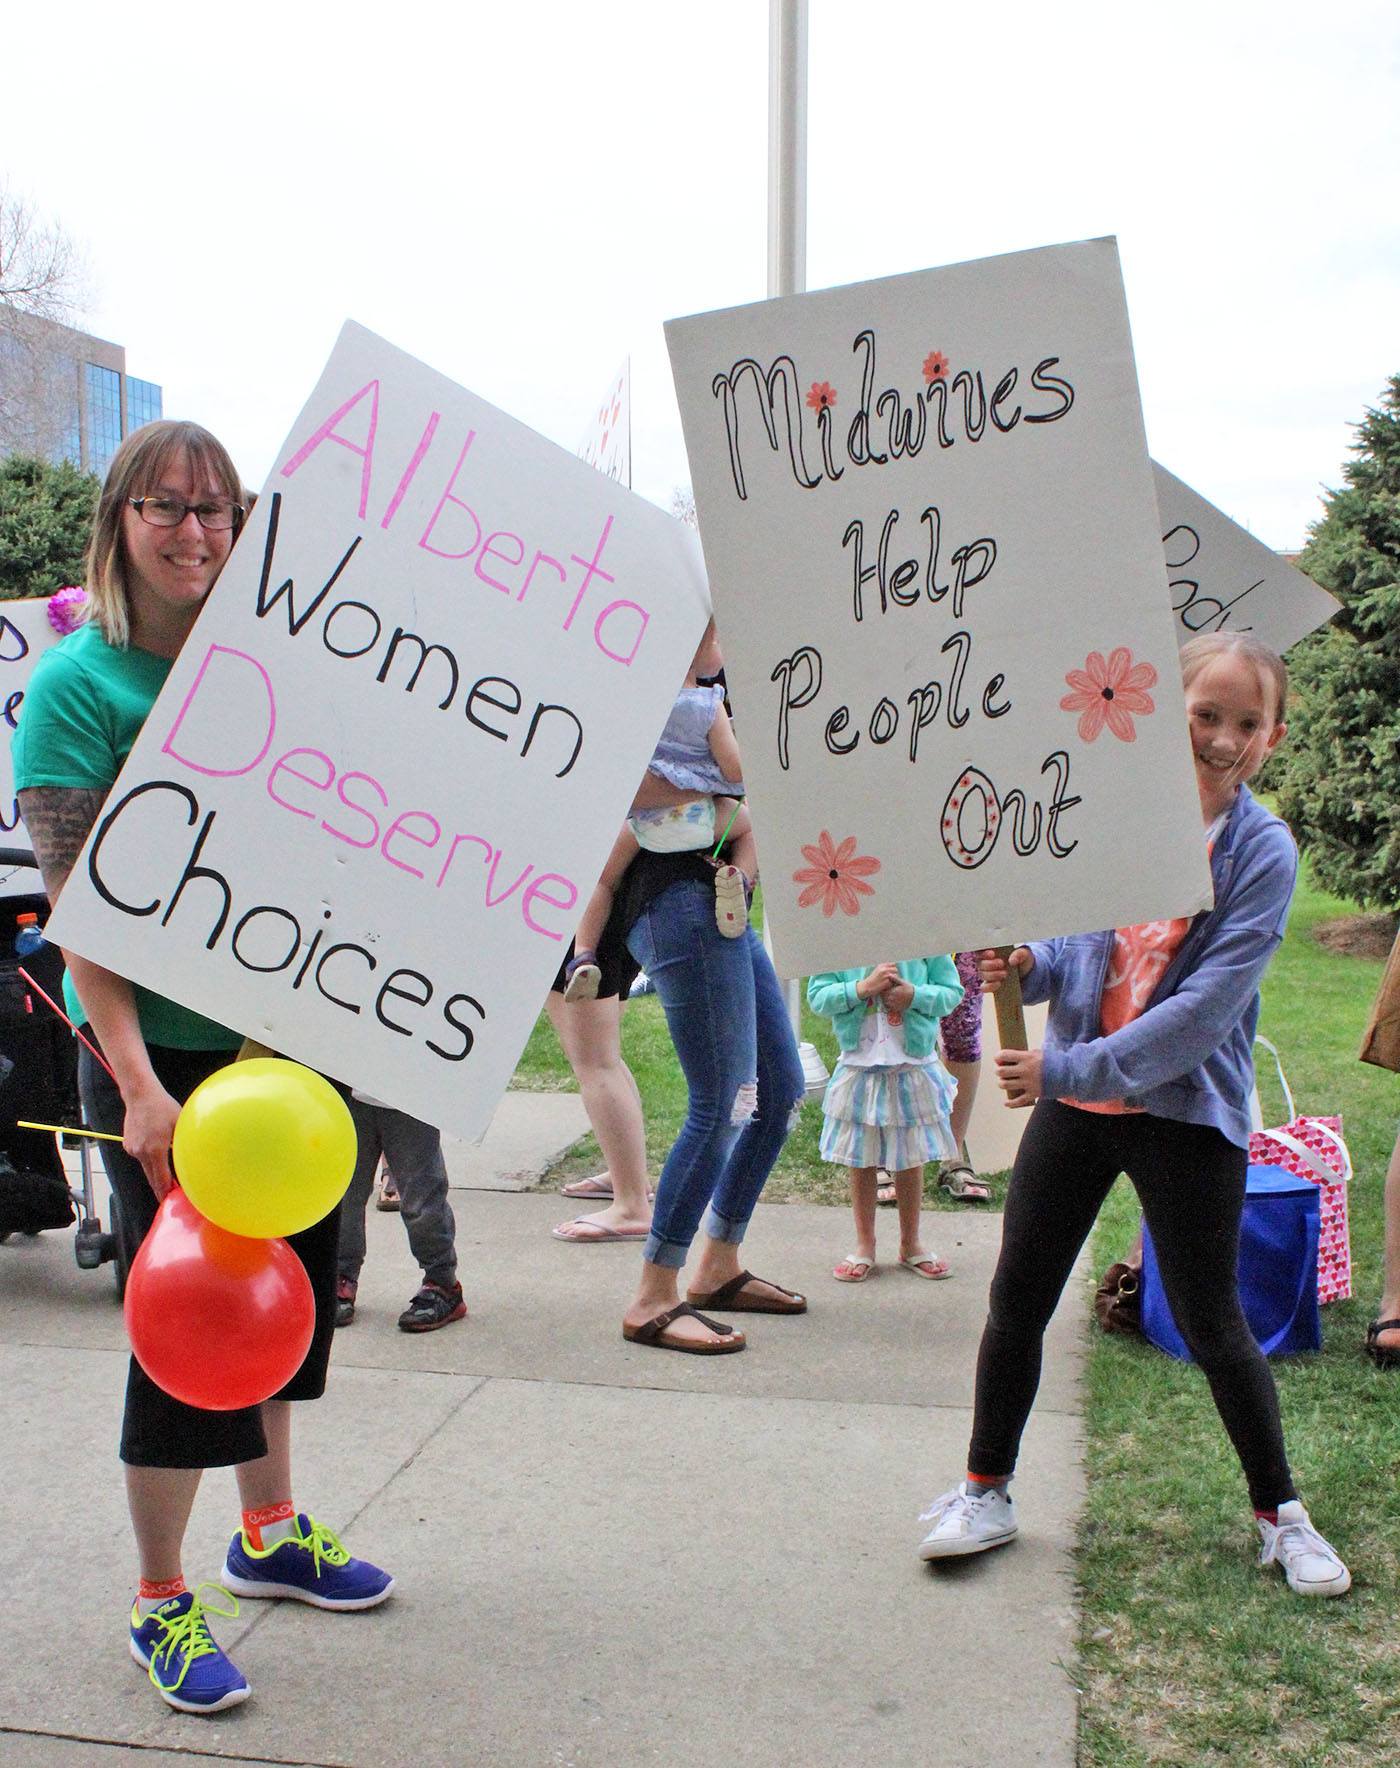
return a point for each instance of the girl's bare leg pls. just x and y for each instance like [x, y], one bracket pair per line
[1390, 1294]
[591, 1035]
[160, 1500]
[966, 1075]
[268, 1480]
[863, 1209]
[909, 1201]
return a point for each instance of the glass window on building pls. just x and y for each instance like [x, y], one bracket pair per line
[143, 403]
[38, 401]
[104, 415]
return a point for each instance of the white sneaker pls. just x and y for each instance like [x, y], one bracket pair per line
[968, 1520]
[1312, 1567]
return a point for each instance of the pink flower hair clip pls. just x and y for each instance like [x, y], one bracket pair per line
[66, 609]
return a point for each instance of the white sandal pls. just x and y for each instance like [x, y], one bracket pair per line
[856, 1267]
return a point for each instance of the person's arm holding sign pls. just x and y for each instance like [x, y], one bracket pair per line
[58, 819]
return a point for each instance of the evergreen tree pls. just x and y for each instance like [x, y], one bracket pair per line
[45, 517]
[1338, 774]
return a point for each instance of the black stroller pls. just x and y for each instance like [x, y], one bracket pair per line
[39, 1082]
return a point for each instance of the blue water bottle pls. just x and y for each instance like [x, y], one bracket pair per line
[29, 937]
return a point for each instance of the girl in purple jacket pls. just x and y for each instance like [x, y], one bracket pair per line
[1147, 1070]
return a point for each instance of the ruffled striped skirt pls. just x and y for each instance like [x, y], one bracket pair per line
[891, 1117]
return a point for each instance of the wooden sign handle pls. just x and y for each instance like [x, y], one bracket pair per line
[1011, 1016]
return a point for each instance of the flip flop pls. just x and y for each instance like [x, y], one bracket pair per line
[730, 1296]
[855, 1269]
[653, 1333]
[934, 1269]
[598, 1233]
[588, 1189]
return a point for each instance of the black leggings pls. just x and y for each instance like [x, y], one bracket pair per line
[1190, 1182]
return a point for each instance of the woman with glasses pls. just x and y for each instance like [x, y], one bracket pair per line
[166, 522]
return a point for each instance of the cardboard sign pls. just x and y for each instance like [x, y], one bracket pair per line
[1224, 580]
[363, 818]
[26, 632]
[607, 444]
[933, 544]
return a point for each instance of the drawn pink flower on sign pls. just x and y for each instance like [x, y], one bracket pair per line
[835, 876]
[1110, 693]
[935, 367]
[821, 396]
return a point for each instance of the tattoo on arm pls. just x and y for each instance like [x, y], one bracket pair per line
[57, 819]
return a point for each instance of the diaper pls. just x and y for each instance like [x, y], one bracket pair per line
[677, 828]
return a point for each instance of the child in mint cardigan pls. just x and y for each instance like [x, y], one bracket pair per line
[888, 1103]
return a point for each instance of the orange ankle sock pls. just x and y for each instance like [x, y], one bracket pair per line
[269, 1524]
[151, 1592]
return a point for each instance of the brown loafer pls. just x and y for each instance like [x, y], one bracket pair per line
[731, 1297]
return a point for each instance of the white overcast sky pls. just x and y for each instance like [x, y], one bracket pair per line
[521, 194]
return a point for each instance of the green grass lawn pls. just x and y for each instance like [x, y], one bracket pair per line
[1189, 1654]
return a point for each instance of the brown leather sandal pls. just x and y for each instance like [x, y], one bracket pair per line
[653, 1333]
[730, 1296]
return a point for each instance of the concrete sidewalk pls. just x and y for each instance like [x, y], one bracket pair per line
[606, 1555]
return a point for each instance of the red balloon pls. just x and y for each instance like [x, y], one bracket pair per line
[217, 1320]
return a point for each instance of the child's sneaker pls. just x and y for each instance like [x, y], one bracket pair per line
[346, 1289]
[731, 902]
[969, 1519]
[433, 1306]
[582, 977]
[387, 1194]
[174, 1647]
[1311, 1565]
[310, 1567]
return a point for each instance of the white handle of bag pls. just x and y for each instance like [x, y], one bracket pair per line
[1321, 1171]
[1316, 1165]
[1290, 1110]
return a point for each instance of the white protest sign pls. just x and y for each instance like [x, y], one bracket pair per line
[387, 767]
[929, 522]
[607, 444]
[26, 632]
[1224, 580]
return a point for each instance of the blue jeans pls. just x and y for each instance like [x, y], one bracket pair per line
[729, 1024]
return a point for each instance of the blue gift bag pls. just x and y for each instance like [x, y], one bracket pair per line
[1277, 1269]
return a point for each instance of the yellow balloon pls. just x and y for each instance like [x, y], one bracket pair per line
[264, 1147]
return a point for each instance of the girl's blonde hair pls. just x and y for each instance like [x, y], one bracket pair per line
[1198, 653]
[138, 468]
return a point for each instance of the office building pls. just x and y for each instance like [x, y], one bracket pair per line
[66, 395]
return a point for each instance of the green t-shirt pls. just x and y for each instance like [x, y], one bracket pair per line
[82, 711]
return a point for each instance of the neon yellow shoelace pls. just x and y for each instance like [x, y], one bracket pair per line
[189, 1633]
[322, 1544]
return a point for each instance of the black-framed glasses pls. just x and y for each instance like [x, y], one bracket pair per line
[212, 513]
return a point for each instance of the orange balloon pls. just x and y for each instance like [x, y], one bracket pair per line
[218, 1320]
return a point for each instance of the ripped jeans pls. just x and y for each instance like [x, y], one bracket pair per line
[729, 1024]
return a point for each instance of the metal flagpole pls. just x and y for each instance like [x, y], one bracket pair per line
[787, 269]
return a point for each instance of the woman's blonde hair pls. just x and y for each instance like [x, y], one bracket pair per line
[138, 468]
[1198, 653]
